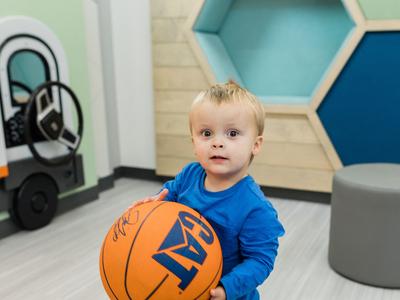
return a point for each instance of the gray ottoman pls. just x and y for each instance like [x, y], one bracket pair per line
[364, 241]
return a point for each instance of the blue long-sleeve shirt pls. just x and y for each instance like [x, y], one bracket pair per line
[245, 222]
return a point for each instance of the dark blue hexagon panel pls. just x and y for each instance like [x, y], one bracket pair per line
[361, 112]
[279, 50]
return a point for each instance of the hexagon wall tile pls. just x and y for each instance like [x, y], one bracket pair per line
[279, 50]
[361, 112]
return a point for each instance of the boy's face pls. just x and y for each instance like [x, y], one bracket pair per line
[224, 138]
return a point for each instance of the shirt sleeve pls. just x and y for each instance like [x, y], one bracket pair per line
[174, 186]
[258, 246]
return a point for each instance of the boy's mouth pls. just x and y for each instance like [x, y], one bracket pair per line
[218, 157]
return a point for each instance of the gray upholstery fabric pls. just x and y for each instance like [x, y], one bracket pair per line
[364, 241]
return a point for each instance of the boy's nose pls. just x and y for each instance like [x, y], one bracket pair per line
[217, 144]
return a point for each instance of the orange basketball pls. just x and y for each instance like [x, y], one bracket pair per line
[160, 250]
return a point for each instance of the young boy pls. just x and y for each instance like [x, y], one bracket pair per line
[226, 124]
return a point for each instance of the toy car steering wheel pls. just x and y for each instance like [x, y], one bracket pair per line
[51, 124]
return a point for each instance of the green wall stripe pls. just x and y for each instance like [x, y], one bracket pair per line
[380, 9]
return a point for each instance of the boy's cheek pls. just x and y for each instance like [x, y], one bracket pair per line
[198, 151]
[195, 146]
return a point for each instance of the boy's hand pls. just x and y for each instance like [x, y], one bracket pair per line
[218, 293]
[159, 197]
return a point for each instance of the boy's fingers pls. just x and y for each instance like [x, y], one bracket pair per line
[160, 196]
[217, 294]
[163, 194]
[213, 294]
[139, 202]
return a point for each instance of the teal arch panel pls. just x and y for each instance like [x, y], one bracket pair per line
[361, 112]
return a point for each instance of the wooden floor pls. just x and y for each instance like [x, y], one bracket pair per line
[60, 261]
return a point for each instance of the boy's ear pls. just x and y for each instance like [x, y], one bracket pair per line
[257, 145]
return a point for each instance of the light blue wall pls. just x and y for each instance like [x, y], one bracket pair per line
[212, 15]
[218, 57]
[279, 50]
[282, 48]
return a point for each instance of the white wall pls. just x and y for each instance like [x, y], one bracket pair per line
[97, 92]
[123, 118]
[107, 54]
[133, 80]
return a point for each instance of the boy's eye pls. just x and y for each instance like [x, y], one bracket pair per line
[206, 133]
[233, 133]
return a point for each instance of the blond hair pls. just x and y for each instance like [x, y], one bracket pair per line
[231, 92]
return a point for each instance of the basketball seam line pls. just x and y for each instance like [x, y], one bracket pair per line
[157, 287]
[133, 242]
[215, 276]
[104, 271]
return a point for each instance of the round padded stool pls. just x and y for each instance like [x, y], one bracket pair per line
[364, 240]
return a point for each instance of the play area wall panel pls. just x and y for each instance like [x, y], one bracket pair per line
[168, 30]
[172, 124]
[176, 78]
[361, 111]
[175, 146]
[302, 147]
[298, 155]
[293, 45]
[289, 128]
[171, 8]
[307, 156]
[274, 176]
[175, 101]
[292, 178]
[305, 165]
[173, 54]
[279, 50]
[177, 81]
[170, 166]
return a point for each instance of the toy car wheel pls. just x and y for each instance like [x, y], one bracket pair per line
[35, 203]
